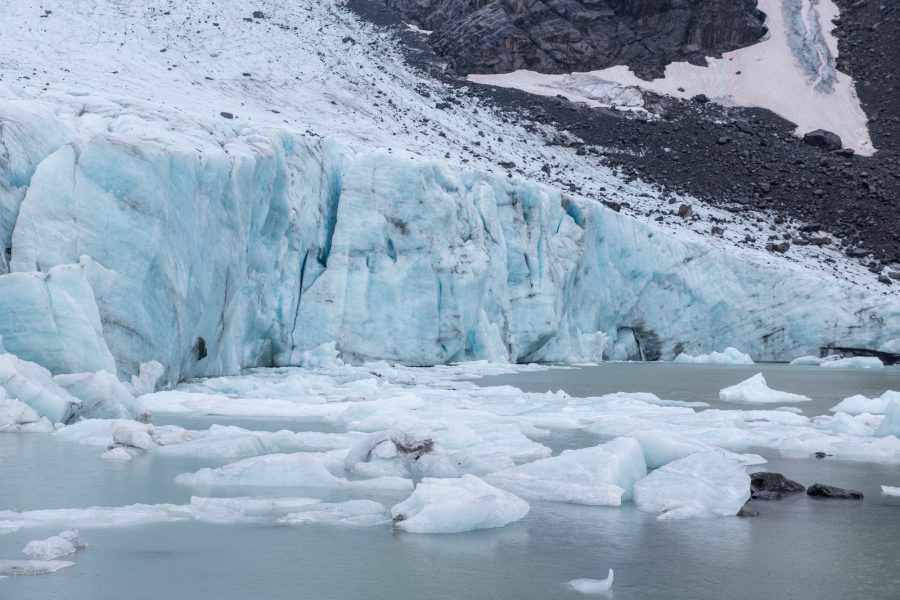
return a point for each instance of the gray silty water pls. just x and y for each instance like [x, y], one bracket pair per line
[797, 547]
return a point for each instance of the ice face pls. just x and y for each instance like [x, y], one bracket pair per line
[755, 391]
[457, 505]
[891, 424]
[703, 484]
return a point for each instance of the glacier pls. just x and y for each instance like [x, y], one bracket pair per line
[149, 237]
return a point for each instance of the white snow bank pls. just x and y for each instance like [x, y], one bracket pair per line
[592, 586]
[602, 475]
[457, 505]
[54, 547]
[730, 356]
[755, 391]
[859, 404]
[890, 491]
[891, 423]
[298, 469]
[704, 484]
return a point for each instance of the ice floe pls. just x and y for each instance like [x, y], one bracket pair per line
[704, 484]
[890, 491]
[858, 404]
[730, 356]
[593, 586]
[755, 390]
[54, 547]
[457, 505]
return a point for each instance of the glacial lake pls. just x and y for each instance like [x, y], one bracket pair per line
[798, 547]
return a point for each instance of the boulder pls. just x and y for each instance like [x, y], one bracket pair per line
[820, 490]
[772, 486]
[826, 140]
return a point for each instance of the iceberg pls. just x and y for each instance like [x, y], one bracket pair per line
[859, 404]
[704, 484]
[890, 491]
[755, 391]
[891, 423]
[31, 567]
[457, 505]
[602, 475]
[854, 362]
[33, 385]
[18, 417]
[730, 356]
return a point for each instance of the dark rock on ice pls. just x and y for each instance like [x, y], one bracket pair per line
[820, 490]
[772, 486]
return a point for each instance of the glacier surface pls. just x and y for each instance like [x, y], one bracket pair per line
[141, 227]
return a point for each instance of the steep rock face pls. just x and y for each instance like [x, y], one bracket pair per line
[561, 36]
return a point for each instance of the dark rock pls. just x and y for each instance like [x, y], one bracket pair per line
[772, 486]
[507, 164]
[258, 14]
[821, 455]
[701, 98]
[717, 230]
[829, 491]
[499, 36]
[200, 348]
[227, 115]
[821, 138]
[685, 211]
[780, 248]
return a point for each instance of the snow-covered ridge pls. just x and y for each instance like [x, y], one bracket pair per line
[143, 225]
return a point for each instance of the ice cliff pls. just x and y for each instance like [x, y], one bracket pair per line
[151, 230]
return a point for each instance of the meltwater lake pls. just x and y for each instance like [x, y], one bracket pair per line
[797, 547]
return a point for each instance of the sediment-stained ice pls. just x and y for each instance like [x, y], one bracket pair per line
[755, 391]
[704, 484]
[457, 505]
[602, 475]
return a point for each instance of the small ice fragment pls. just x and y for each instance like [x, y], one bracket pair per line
[890, 491]
[756, 391]
[592, 586]
[54, 547]
[32, 567]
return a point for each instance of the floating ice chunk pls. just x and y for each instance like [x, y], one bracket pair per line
[149, 374]
[662, 447]
[117, 453]
[892, 346]
[457, 505]
[854, 362]
[890, 491]
[891, 423]
[132, 437]
[298, 469]
[811, 361]
[790, 409]
[859, 404]
[601, 475]
[704, 484]
[360, 513]
[54, 547]
[32, 384]
[592, 586]
[18, 417]
[755, 391]
[32, 567]
[842, 423]
[730, 356]
[251, 504]
[94, 517]
[102, 396]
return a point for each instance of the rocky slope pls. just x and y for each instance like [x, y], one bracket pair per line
[560, 36]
